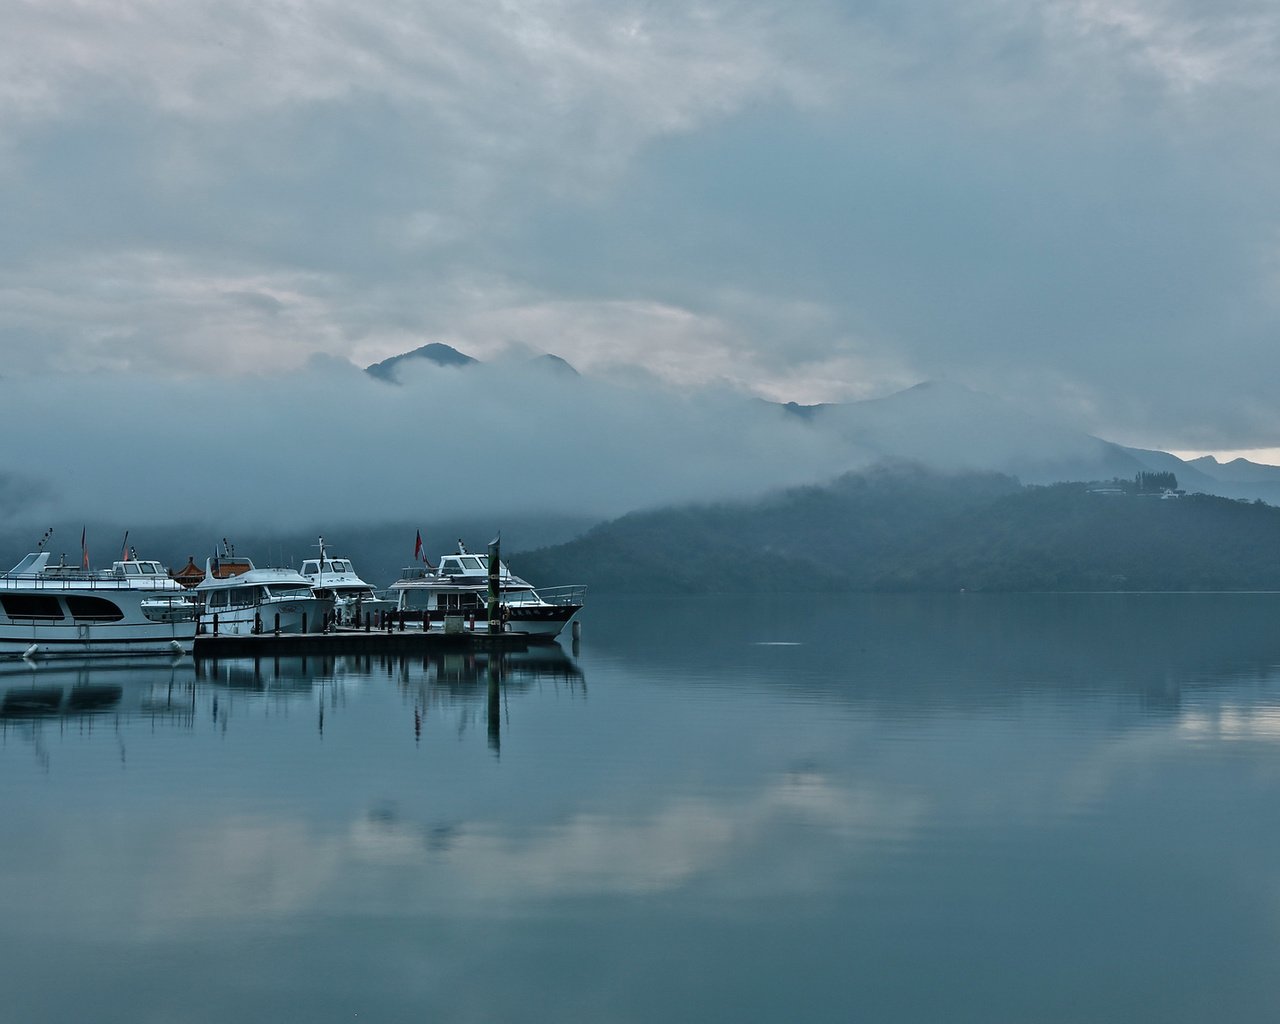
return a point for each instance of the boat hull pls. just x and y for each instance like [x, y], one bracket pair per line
[58, 640]
[43, 617]
[540, 620]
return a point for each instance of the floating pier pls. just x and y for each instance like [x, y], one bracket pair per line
[266, 645]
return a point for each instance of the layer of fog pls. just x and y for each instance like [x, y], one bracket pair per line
[330, 444]
[492, 443]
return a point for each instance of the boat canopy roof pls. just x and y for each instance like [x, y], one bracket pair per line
[34, 563]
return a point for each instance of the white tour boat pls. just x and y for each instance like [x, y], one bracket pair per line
[59, 610]
[354, 600]
[459, 587]
[240, 599]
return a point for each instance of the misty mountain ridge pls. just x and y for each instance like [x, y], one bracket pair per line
[439, 354]
[951, 427]
[1238, 470]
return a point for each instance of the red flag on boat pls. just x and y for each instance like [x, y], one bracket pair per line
[124, 553]
[417, 546]
[84, 548]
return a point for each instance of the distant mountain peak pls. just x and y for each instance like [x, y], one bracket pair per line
[555, 364]
[435, 352]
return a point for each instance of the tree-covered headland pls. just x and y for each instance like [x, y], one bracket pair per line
[904, 528]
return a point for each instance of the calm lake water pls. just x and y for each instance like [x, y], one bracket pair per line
[944, 808]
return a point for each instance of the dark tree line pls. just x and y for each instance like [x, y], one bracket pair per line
[1155, 482]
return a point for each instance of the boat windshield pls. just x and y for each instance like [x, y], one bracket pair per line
[459, 565]
[287, 593]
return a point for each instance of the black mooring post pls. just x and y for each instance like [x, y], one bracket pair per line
[495, 568]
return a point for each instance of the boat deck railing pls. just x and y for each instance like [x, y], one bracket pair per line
[87, 579]
[571, 594]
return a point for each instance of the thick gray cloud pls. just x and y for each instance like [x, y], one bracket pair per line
[331, 444]
[1070, 203]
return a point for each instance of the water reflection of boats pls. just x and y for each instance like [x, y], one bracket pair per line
[87, 688]
[446, 670]
[460, 680]
[464, 679]
[211, 691]
[281, 676]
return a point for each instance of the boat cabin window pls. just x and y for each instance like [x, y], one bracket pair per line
[92, 609]
[31, 606]
[451, 566]
[473, 562]
[217, 599]
[289, 593]
[414, 600]
[132, 569]
[467, 601]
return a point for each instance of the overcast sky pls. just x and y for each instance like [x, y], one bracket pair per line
[1072, 204]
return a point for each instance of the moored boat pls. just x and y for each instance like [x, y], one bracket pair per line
[354, 600]
[458, 586]
[240, 599]
[49, 610]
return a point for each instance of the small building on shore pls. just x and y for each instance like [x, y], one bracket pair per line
[190, 574]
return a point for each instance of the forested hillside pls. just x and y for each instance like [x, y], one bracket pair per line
[903, 528]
